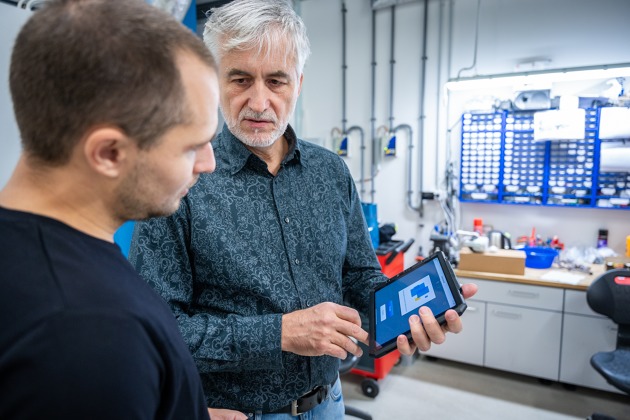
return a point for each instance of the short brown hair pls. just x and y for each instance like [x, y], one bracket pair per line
[77, 64]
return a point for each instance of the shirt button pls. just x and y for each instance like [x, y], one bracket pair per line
[297, 261]
[286, 220]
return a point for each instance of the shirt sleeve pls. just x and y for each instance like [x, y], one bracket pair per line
[361, 270]
[161, 253]
[86, 366]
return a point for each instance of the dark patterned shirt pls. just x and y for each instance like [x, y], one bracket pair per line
[246, 247]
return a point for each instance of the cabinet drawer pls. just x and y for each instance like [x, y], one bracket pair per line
[467, 346]
[575, 303]
[526, 295]
[523, 340]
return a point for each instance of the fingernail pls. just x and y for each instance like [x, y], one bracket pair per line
[424, 310]
[414, 319]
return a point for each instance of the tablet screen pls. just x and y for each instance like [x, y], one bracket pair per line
[425, 285]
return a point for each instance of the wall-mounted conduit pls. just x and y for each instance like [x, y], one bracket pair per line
[421, 117]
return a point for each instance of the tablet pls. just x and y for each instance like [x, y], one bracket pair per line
[431, 282]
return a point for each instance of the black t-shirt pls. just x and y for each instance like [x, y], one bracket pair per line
[82, 336]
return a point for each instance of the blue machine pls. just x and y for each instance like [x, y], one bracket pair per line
[369, 212]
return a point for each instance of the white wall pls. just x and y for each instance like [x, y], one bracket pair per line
[570, 33]
[11, 20]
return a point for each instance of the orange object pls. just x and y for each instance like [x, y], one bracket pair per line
[478, 226]
[394, 267]
[532, 238]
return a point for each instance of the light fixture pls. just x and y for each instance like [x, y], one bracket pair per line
[539, 77]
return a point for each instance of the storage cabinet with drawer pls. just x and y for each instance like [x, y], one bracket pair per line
[468, 345]
[584, 333]
[523, 327]
[545, 332]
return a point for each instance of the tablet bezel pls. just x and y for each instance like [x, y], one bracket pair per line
[460, 304]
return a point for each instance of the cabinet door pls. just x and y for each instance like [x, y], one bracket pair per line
[523, 340]
[583, 336]
[467, 346]
[527, 295]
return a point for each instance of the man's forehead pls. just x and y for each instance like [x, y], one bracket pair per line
[267, 60]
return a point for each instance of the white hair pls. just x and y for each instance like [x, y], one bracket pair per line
[257, 24]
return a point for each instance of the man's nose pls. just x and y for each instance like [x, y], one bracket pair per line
[205, 160]
[259, 97]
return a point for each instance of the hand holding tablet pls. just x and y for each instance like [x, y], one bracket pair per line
[430, 283]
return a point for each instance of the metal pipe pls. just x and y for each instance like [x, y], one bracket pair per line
[449, 67]
[423, 78]
[392, 62]
[373, 107]
[439, 94]
[474, 63]
[344, 68]
[451, 195]
[409, 164]
[362, 165]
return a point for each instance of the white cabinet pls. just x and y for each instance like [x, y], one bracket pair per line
[523, 340]
[509, 326]
[545, 332]
[523, 328]
[584, 333]
[468, 345]
[529, 296]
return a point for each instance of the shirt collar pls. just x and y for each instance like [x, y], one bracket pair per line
[238, 155]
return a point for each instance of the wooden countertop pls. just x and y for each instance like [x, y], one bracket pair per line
[533, 276]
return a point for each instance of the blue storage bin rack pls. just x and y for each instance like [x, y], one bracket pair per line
[524, 161]
[481, 156]
[501, 163]
[613, 189]
[571, 172]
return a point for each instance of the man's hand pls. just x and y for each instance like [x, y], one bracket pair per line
[224, 414]
[323, 329]
[429, 331]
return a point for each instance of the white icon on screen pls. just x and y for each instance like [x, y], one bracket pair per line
[416, 295]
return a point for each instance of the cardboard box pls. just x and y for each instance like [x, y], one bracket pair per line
[504, 261]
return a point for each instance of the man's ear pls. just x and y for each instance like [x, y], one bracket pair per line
[108, 150]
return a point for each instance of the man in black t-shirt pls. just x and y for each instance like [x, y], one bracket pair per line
[116, 104]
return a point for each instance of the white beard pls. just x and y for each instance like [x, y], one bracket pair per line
[256, 139]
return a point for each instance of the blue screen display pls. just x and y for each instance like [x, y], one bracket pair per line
[396, 302]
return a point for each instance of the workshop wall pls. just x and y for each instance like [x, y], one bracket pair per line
[513, 35]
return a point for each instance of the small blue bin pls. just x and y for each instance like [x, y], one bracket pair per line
[539, 257]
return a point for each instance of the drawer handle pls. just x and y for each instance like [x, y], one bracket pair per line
[509, 315]
[472, 309]
[520, 293]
